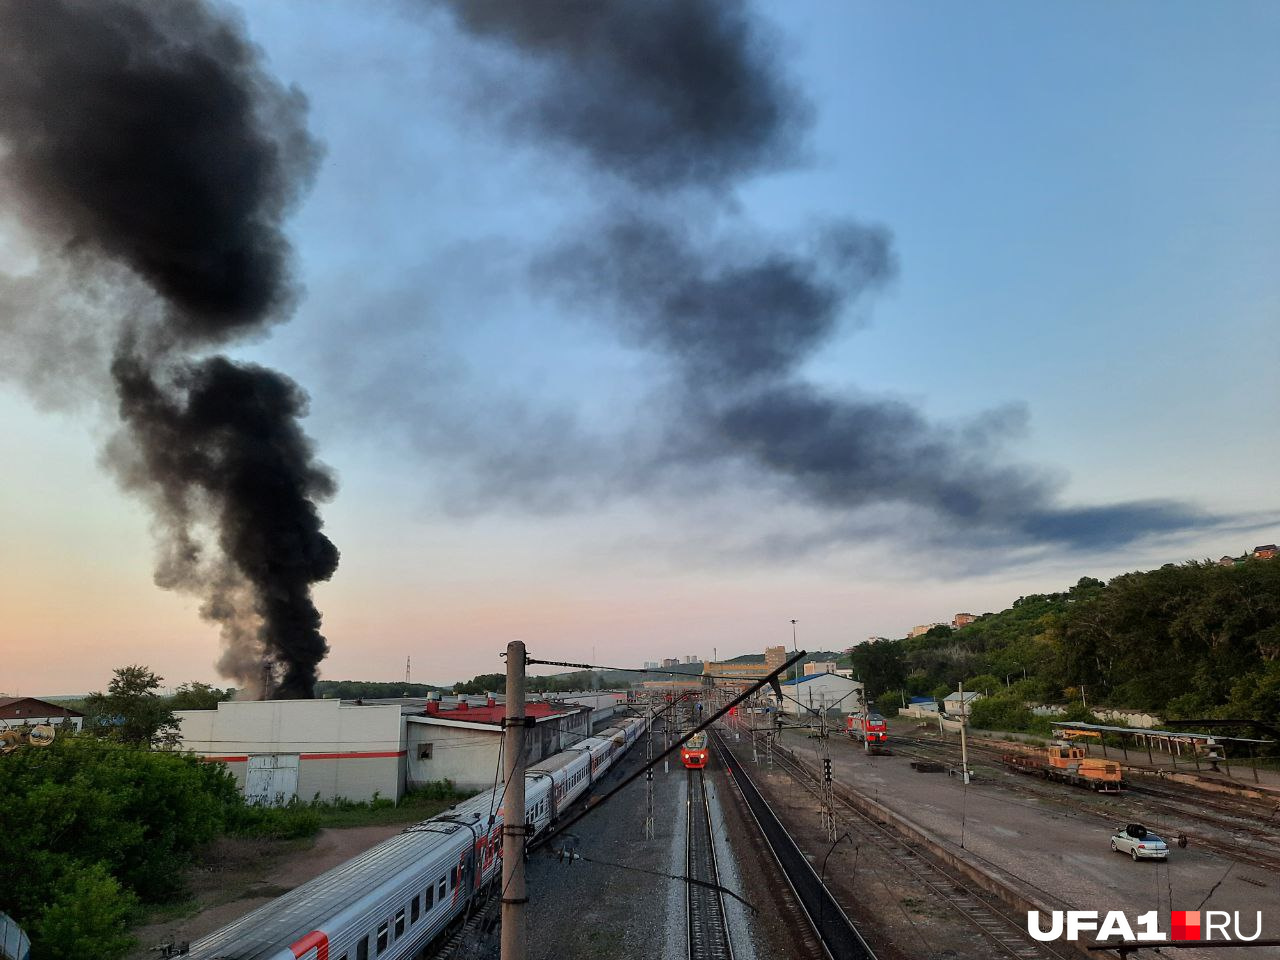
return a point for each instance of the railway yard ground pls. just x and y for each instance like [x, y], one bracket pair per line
[237, 875]
[951, 880]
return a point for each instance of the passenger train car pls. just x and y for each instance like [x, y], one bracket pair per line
[693, 754]
[395, 898]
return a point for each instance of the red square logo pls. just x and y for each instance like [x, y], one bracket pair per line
[1186, 925]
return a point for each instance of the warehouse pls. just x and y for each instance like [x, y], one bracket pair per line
[463, 744]
[821, 691]
[309, 749]
[355, 750]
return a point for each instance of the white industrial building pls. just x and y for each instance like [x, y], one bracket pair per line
[821, 691]
[329, 749]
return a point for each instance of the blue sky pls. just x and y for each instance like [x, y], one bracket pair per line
[1084, 212]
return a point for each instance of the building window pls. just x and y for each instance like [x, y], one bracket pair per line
[413, 911]
[424, 751]
[383, 938]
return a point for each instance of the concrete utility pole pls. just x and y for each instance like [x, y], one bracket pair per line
[513, 827]
[964, 743]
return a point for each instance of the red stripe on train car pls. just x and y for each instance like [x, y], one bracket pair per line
[315, 939]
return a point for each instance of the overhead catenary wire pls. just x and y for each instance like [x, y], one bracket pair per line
[771, 678]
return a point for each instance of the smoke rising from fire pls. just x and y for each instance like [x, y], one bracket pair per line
[148, 152]
[679, 99]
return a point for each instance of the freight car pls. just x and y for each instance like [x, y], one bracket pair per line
[1068, 764]
[397, 897]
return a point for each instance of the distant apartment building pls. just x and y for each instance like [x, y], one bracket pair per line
[751, 667]
[1265, 552]
[962, 620]
[670, 662]
[819, 666]
[652, 665]
[922, 629]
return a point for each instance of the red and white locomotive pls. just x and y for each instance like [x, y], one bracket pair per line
[870, 730]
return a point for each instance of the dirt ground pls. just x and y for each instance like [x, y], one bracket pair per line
[236, 876]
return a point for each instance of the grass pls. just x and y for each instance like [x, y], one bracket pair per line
[300, 819]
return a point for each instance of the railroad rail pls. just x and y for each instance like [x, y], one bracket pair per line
[839, 937]
[708, 925]
[999, 925]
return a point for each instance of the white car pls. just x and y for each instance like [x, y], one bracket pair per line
[1139, 843]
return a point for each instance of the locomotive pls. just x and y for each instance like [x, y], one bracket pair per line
[693, 754]
[398, 896]
[1068, 764]
[869, 729]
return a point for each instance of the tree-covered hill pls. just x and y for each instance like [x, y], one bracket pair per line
[1191, 640]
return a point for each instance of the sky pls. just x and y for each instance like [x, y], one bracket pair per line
[1046, 348]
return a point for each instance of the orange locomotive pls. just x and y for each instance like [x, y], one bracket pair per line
[1068, 764]
[693, 754]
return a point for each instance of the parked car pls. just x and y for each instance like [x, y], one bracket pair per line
[1139, 843]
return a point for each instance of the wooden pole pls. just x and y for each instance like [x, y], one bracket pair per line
[513, 826]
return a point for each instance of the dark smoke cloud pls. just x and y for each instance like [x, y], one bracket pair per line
[223, 449]
[659, 92]
[148, 136]
[726, 316]
[678, 94]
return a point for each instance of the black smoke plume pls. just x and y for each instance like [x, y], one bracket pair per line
[658, 92]
[149, 137]
[680, 96]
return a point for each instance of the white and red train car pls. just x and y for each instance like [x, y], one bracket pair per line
[397, 897]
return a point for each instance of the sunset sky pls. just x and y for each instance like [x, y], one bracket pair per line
[1084, 217]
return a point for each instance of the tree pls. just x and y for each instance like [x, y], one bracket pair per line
[198, 696]
[132, 711]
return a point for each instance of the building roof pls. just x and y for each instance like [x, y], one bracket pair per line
[968, 694]
[1265, 546]
[815, 676]
[9, 707]
[494, 714]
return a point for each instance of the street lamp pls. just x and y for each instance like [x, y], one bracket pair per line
[794, 647]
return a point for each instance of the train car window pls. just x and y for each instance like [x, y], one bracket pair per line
[362, 949]
[442, 890]
[399, 924]
[429, 897]
[383, 938]
[413, 910]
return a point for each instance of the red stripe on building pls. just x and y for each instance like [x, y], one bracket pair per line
[355, 755]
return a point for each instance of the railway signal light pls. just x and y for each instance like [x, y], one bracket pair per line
[826, 769]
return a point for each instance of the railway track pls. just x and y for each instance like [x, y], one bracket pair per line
[708, 926]
[1000, 926]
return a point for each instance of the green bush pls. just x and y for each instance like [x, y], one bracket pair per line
[88, 916]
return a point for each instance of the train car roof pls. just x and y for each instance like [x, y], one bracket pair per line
[266, 931]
